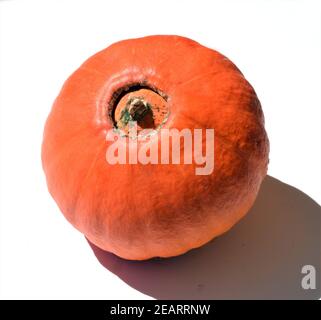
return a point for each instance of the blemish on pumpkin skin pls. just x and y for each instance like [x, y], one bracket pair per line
[200, 287]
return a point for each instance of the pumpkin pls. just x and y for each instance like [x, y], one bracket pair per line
[145, 210]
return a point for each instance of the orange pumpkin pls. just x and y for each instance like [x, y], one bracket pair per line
[139, 211]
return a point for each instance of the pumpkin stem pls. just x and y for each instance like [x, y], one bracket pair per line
[135, 110]
[144, 106]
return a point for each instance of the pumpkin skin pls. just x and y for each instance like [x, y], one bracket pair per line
[142, 211]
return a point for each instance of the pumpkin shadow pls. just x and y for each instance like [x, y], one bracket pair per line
[259, 258]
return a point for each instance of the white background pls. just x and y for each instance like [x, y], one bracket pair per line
[276, 44]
